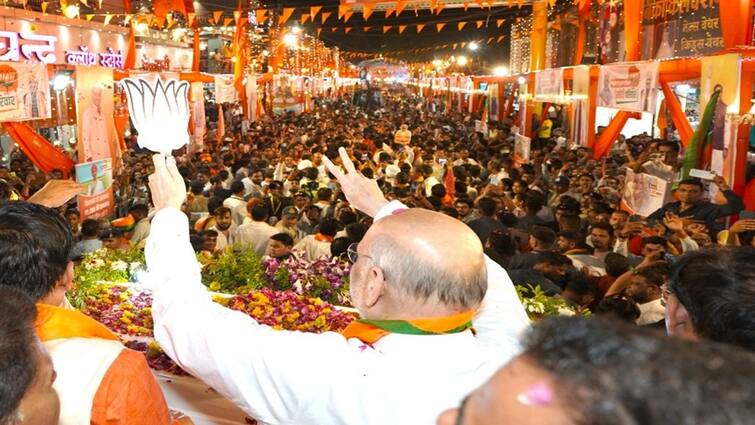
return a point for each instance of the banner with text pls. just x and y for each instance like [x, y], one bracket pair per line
[24, 92]
[549, 85]
[97, 177]
[673, 28]
[643, 193]
[521, 148]
[629, 86]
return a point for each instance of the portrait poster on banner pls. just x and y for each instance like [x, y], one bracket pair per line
[287, 94]
[643, 193]
[94, 113]
[581, 116]
[721, 73]
[225, 92]
[521, 148]
[24, 92]
[549, 85]
[97, 177]
[493, 102]
[629, 86]
[197, 121]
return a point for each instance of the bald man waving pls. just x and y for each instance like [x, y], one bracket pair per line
[420, 282]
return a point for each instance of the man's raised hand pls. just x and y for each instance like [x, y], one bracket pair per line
[361, 192]
[167, 184]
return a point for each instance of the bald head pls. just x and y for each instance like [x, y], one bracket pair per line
[429, 257]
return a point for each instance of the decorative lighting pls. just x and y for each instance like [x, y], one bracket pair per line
[437, 63]
[290, 40]
[296, 29]
[473, 46]
[61, 81]
[71, 11]
[141, 27]
[500, 71]
[461, 61]
[521, 80]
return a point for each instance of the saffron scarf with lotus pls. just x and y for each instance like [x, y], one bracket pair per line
[370, 331]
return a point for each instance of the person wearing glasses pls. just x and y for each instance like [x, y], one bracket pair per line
[420, 283]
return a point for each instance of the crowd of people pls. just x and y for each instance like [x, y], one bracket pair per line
[440, 222]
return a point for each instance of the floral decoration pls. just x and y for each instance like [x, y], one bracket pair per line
[538, 305]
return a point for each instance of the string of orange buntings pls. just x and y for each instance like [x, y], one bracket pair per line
[452, 46]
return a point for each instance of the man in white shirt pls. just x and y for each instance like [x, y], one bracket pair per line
[236, 203]
[318, 245]
[253, 184]
[257, 233]
[405, 269]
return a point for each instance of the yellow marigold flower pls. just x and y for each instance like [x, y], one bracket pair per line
[153, 345]
[133, 329]
[215, 286]
[278, 327]
[125, 320]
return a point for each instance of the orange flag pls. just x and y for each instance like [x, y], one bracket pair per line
[401, 28]
[466, 5]
[189, 19]
[227, 22]
[367, 29]
[304, 18]
[420, 27]
[347, 30]
[400, 5]
[386, 28]
[313, 11]
[324, 16]
[480, 24]
[479, 3]
[440, 27]
[342, 9]
[261, 15]
[333, 29]
[460, 25]
[347, 16]
[500, 38]
[389, 12]
[319, 30]
[44, 6]
[439, 8]
[499, 22]
[236, 16]
[367, 9]
[490, 3]
[286, 15]
[216, 16]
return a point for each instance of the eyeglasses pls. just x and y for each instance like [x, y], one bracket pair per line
[352, 254]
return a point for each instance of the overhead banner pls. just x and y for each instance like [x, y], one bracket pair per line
[549, 85]
[24, 92]
[643, 193]
[97, 177]
[680, 28]
[722, 73]
[225, 92]
[95, 112]
[288, 94]
[629, 86]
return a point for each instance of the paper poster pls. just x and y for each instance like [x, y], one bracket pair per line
[643, 193]
[629, 86]
[580, 127]
[722, 73]
[549, 85]
[225, 92]
[676, 29]
[493, 102]
[521, 148]
[24, 92]
[198, 121]
[94, 114]
[97, 177]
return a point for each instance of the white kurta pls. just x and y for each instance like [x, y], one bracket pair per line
[282, 377]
